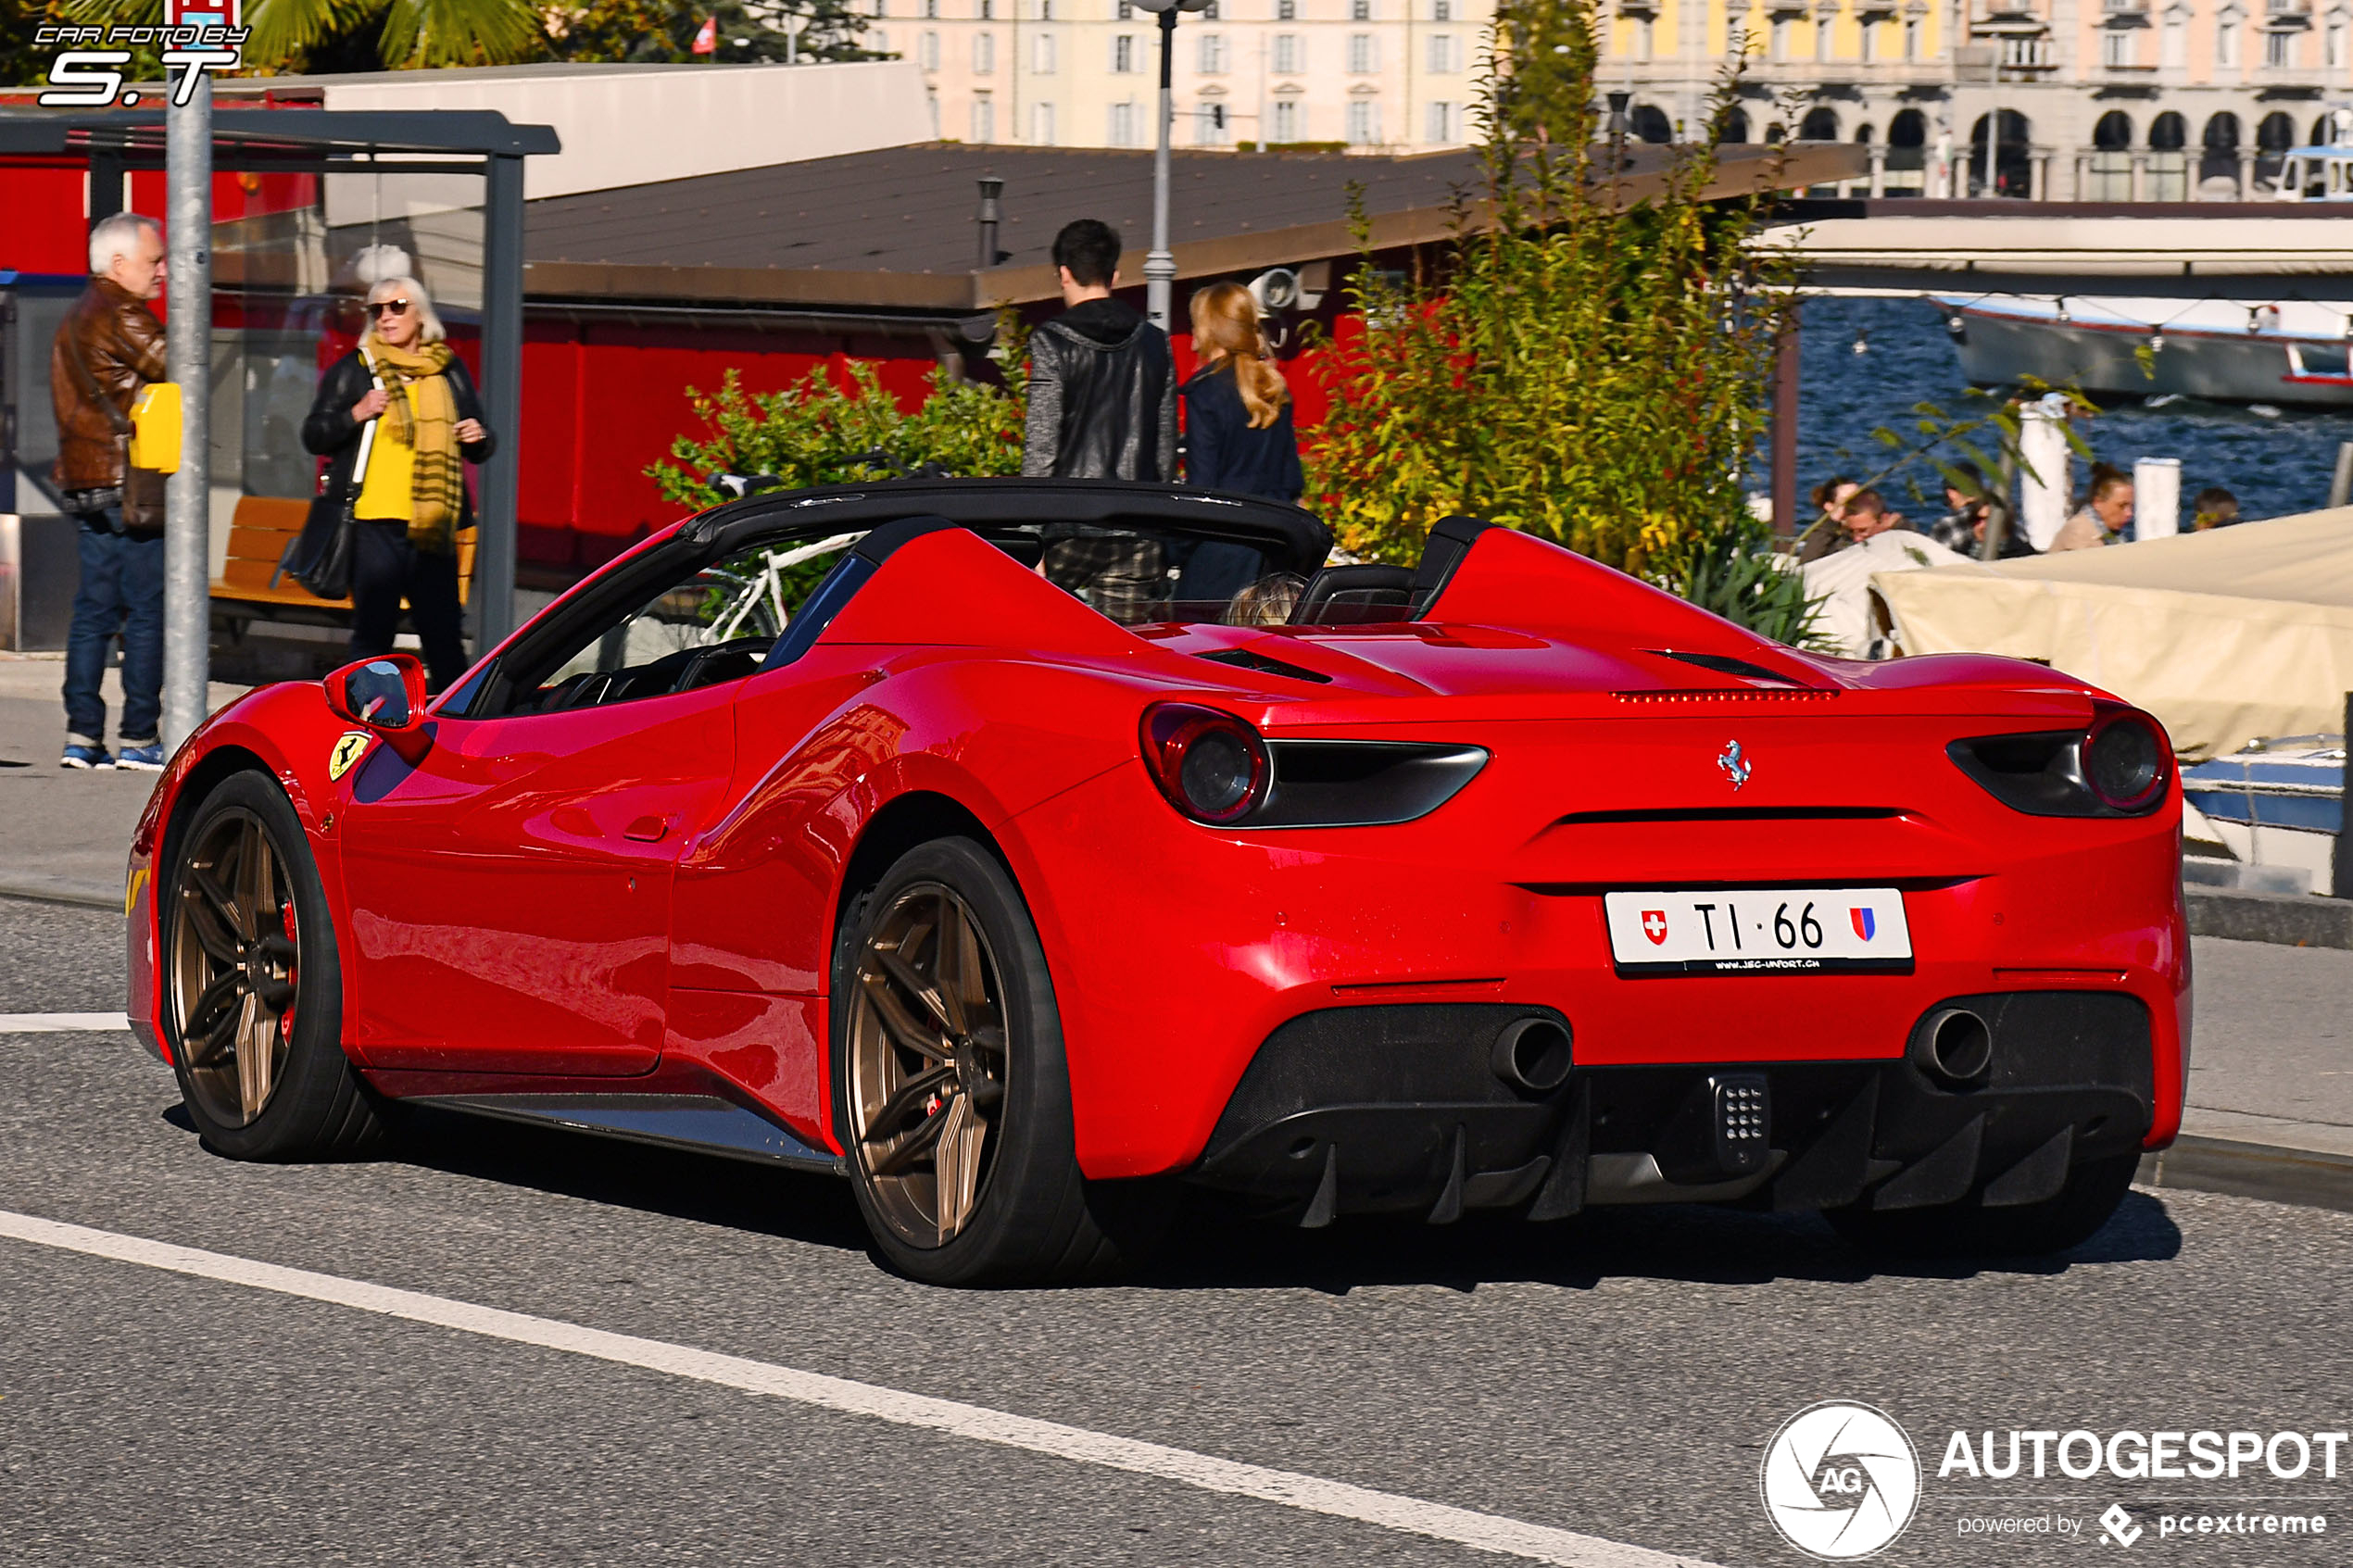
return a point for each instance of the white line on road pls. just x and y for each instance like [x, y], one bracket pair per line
[1485, 1532]
[63, 1023]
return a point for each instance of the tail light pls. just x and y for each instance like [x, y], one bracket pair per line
[1212, 766]
[2127, 759]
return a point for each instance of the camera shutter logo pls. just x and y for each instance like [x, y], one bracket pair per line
[1840, 1480]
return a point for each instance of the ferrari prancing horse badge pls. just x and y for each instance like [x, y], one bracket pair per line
[351, 746]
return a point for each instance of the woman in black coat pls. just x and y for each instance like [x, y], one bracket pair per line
[1237, 431]
[412, 500]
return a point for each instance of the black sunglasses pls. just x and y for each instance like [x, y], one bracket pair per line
[389, 308]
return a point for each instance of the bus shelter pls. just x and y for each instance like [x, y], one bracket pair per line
[311, 206]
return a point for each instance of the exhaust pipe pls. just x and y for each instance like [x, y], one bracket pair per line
[1533, 1054]
[1956, 1046]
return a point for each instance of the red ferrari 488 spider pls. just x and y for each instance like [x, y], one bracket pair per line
[1021, 850]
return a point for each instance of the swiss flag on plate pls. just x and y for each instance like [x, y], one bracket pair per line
[1655, 925]
[706, 39]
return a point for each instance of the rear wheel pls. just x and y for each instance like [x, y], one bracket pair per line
[951, 1091]
[2071, 1217]
[253, 985]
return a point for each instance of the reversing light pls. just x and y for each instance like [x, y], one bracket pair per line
[2126, 759]
[1211, 765]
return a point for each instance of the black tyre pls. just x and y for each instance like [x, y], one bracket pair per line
[253, 985]
[2074, 1216]
[951, 1094]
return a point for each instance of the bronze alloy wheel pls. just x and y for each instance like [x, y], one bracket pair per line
[233, 951]
[928, 1064]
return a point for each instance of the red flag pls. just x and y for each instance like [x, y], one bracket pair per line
[707, 41]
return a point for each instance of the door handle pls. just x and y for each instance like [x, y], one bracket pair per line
[646, 830]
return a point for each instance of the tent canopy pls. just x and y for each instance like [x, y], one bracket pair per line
[2224, 636]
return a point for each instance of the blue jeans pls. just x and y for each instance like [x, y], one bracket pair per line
[121, 592]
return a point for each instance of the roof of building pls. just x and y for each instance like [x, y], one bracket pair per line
[896, 229]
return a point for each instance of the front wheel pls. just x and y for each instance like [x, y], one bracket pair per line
[952, 1090]
[2073, 1216]
[253, 985]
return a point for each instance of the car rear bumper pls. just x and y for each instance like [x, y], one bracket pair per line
[1400, 1109]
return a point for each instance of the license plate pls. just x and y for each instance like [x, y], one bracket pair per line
[1759, 931]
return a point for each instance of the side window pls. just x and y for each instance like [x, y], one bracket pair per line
[711, 624]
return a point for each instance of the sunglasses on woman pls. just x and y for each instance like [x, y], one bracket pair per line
[389, 308]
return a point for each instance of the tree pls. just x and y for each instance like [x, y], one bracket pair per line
[21, 64]
[1576, 363]
[312, 34]
[643, 31]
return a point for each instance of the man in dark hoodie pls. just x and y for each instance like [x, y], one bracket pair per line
[1103, 386]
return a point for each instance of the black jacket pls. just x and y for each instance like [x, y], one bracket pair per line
[1223, 452]
[330, 429]
[1103, 396]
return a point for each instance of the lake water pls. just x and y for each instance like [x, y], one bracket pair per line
[2273, 466]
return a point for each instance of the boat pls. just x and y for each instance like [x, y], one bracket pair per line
[2290, 353]
[2276, 804]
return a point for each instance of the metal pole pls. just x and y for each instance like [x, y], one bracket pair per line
[2341, 482]
[1992, 116]
[1785, 371]
[1159, 266]
[188, 502]
[492, 597]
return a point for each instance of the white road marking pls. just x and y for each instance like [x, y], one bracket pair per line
[1484, 1532]
[64, 1023]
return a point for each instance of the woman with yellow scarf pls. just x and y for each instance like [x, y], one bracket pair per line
[410, 500]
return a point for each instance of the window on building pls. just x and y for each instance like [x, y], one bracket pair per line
[1122, 55]
[1209, 12]
[1045, 11]
[1213, 54]
[1042, 125]
[1441, 10]
[1286, 10]
[1286, 120]
[988, 11]
[2173, 45]
[1777, 41]
[984, 117]
[2116, 46]
[1363, 121]
[1912, 38]
[1286, 61]
[983, 53]
[2278, 49]
[1824, 35]
[1123, 125]
[931, 101]
[2334, 46]
[1042, 55]
[1443, 61]
[1445, 124]
[881, 9]
[2226, 45]
[931, 10]
[927, 52]
[1364, 54]
[1126, 10]
[1360, 10]
[1869, 27]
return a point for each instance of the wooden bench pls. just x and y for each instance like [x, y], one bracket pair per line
[259, 534]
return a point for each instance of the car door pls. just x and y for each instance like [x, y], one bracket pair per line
[510, 893]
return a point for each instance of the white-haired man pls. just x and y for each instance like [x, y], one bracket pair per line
[109, 347]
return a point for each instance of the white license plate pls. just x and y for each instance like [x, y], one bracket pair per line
[1759, 931]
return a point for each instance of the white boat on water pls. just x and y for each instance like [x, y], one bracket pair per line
[2277, 804]
[2289, 353]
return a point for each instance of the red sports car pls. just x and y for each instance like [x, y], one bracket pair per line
[1022, 851]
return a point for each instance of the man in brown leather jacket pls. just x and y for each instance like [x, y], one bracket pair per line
[109, 347]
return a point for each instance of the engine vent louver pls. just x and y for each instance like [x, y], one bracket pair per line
[1243, 658]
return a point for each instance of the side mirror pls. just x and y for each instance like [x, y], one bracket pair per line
[387, 696]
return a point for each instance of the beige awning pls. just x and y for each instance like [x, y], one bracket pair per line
[2224, 636]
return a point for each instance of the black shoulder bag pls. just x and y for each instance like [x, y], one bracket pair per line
[320, 557]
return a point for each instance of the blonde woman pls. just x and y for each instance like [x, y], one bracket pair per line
[1237, 431]
[411, 499]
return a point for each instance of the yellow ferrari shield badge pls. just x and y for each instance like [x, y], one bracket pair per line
[351, 746]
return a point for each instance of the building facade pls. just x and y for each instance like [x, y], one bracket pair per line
[1393, 76]
[2086, 100]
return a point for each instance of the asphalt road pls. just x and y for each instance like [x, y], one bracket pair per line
[1617, 1377]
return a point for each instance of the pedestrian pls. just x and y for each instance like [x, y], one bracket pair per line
[1862, 515]
[1103, 386]
[1238, 436]
[411, 501]
[2106, 514]
[1827, 532]
[107, 347]
[2215, 507]
[1971, 508]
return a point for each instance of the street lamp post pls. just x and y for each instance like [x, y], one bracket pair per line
[1160, 264]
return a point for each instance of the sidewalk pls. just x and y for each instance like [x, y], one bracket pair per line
[63, 835]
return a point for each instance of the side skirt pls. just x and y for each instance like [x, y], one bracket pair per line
[702, 1123]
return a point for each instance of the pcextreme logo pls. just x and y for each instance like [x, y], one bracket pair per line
[1840, 1480]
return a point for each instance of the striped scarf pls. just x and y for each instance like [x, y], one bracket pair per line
[423, 415]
